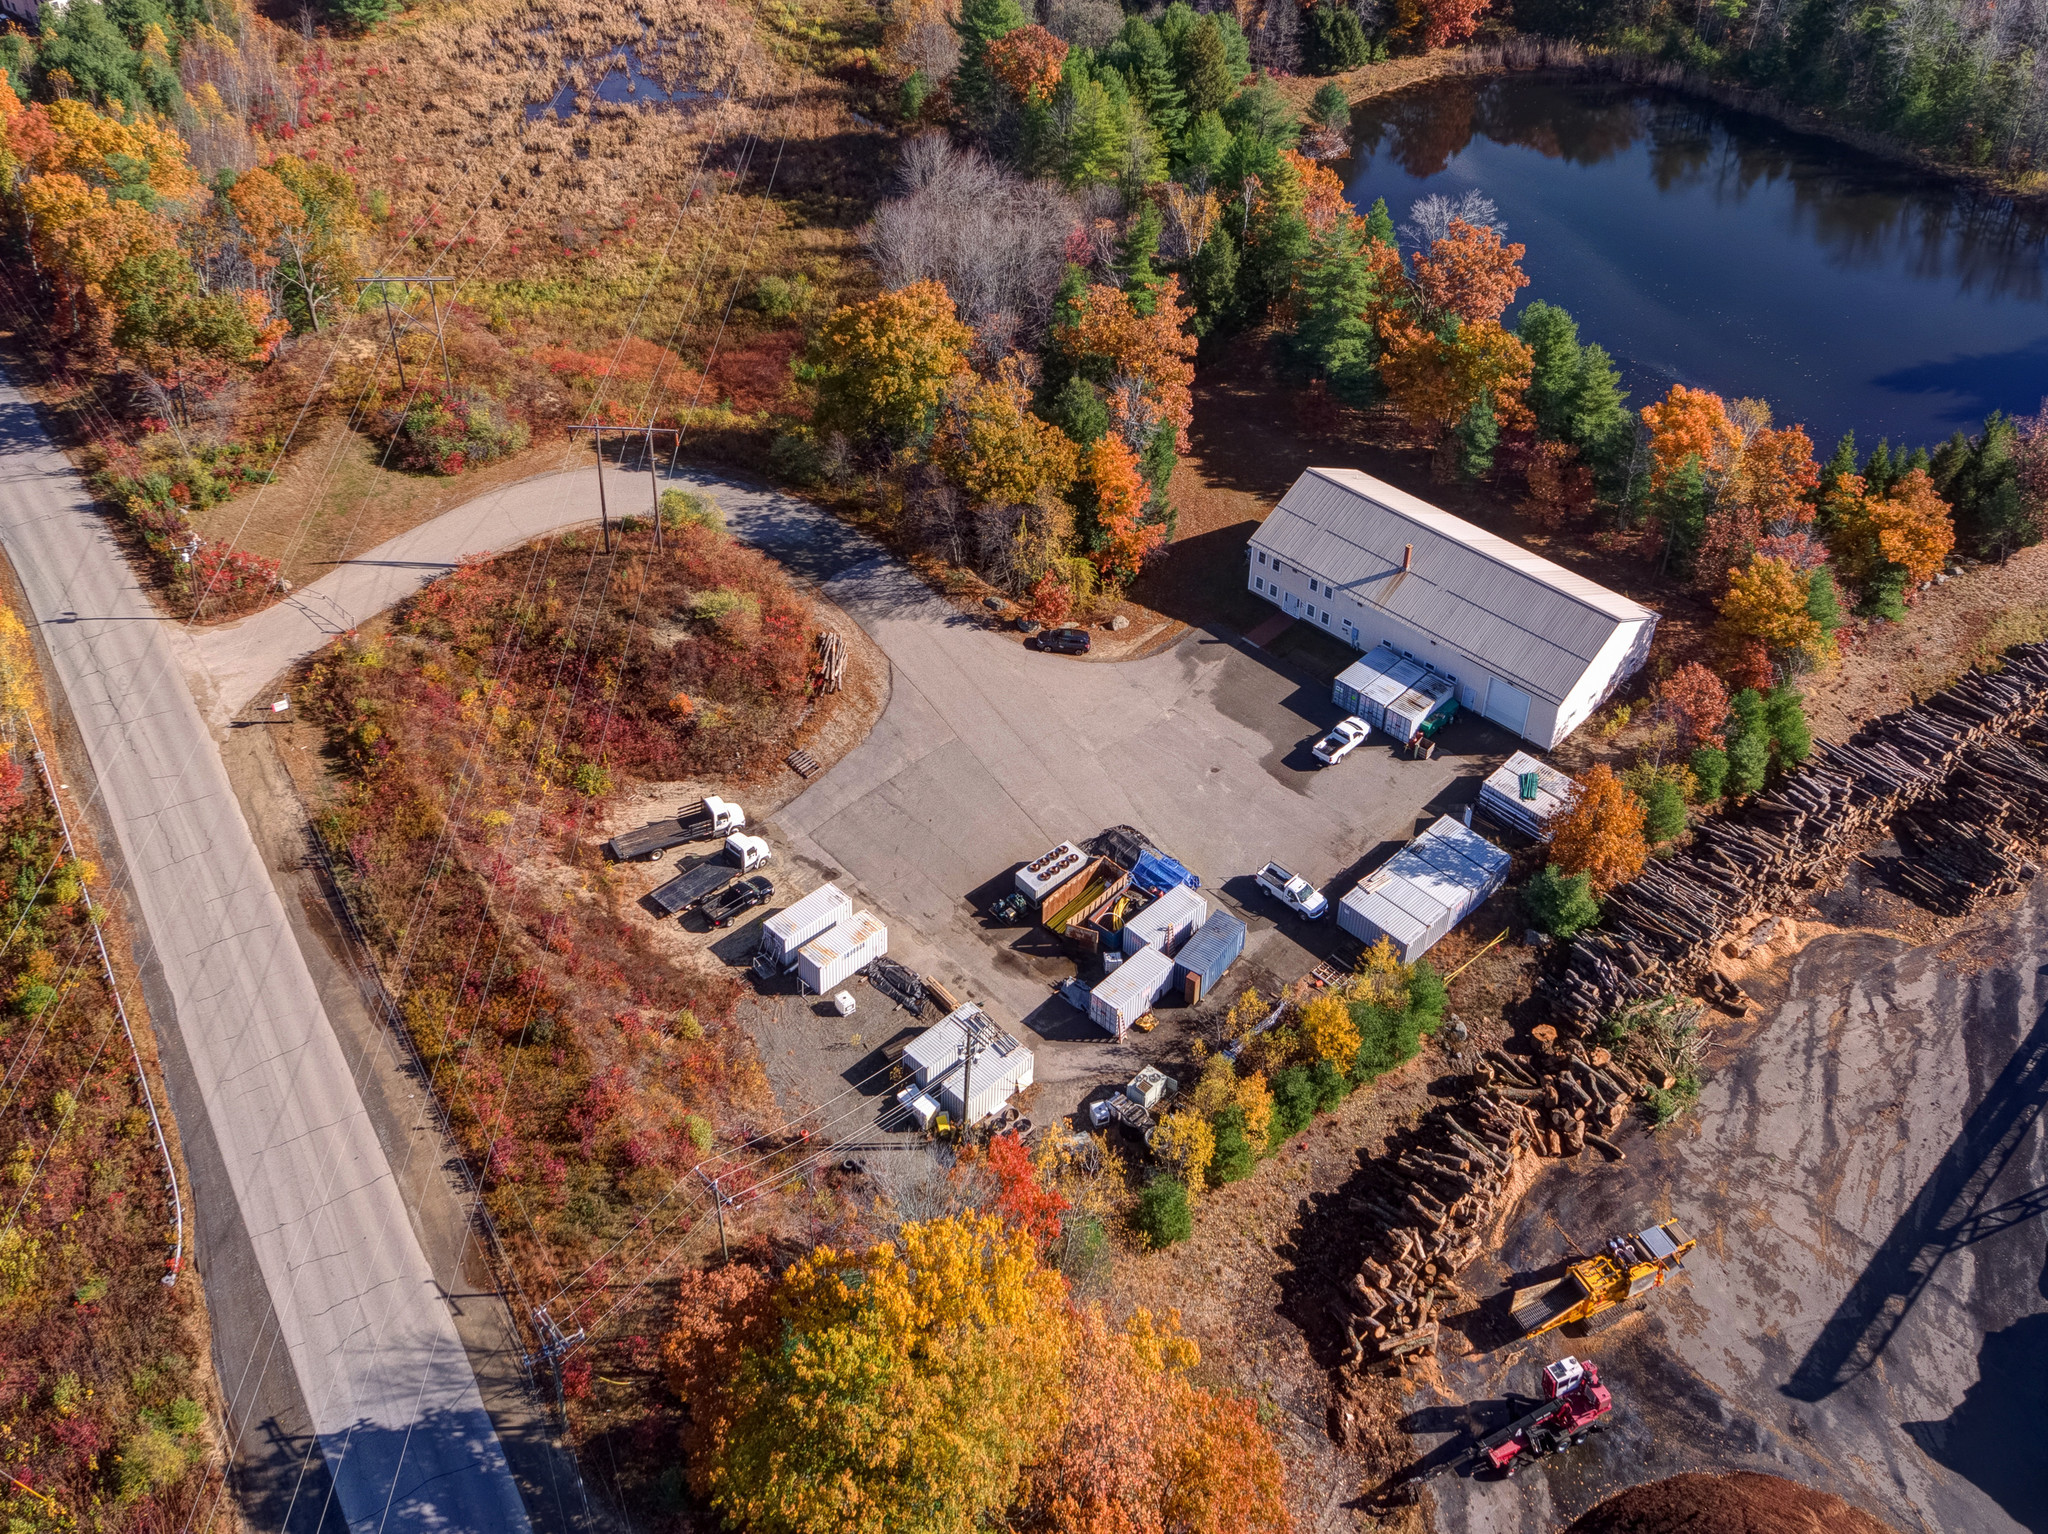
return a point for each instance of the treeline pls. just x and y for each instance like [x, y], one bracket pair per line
[1959, 80]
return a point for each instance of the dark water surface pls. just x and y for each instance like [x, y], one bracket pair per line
[1711, 248]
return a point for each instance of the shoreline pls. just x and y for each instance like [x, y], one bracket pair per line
[1519, 53]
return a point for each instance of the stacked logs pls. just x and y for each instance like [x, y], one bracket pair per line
[1572, 1097]
[1432, 1201]
[1970, 764]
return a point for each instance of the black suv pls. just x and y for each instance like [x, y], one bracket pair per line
[736, 899]
[1061, 641]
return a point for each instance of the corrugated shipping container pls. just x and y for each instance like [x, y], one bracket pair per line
[1208, 954]
[1425, 889]
[1003, 1068]
[844, 951]
[1128, 991]
[1355, 679]
[1501, 794]
[1388, 686]
[788, 930]
[1403, 718]
[1167, 922]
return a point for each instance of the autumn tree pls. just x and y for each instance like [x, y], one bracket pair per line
[1693, 701]
[1765, 606]
[1185, 1143]
[1908, 530]
[1107, 336]
[991, 445]
[1145, 1450]
[1690, 425]
[1022, 1200]
[900, 1388]
[1126, 538]
[1450, 21]
[1027, 63]
[881, 367]
[301, 223]
[1328, 1033]
[1470, 273]
[1599, 833]
[1436, 377]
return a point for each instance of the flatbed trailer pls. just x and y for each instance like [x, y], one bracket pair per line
[706, 818]
[692, 887]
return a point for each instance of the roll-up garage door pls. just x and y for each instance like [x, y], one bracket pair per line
[1507, 705]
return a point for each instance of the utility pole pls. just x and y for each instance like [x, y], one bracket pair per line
[603, 512]
[967, 1053]
[653, 475]
[718, 1203]
[555, 1345]
[433, 287]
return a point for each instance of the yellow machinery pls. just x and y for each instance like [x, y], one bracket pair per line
[1630, 1266]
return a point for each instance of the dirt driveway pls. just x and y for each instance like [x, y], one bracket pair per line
[1866, 1309]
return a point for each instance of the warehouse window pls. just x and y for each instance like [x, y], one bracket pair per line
[1326, 617]
[1258, 583]
[1311, 609]
[1262, 557]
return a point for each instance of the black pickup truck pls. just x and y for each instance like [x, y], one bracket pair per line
[736, 899]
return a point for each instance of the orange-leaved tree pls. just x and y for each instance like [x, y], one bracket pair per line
[1451, 21]
[881, 367]
[904, 1387]
[1910, 528]
[1145, 1450]
[1690, 424]
[1693, 701]
[1436, 376]
[1154, 348]
[1469, 273]
[1121, 500]
[1766, 605]
[1600, 832]
[301, 223]
[991, 445]
[1022, 1198]
[1027, 62]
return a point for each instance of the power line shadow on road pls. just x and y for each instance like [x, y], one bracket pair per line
[1951, 1211]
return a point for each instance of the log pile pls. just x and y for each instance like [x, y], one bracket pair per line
[1431, 1202]
[1433, 1198]
[1962, 776]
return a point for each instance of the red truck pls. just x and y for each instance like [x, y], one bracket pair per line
[1574, 1404]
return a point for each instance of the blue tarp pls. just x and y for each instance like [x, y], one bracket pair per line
[1157, 872]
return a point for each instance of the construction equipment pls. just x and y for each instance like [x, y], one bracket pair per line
[1631, 1265]
[1575, 1404]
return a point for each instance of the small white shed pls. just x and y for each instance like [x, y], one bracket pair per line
[1525, 793]
[1167, 922]
[936, 1058]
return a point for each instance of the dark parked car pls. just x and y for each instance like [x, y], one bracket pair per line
[722, 907]
[1061, 641]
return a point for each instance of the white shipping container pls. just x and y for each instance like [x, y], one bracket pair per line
[1425, 889]
[841, 953]
[1128, 992]
[1167, 922]
[788, 930]
[1050, 871]
[1003, 1068]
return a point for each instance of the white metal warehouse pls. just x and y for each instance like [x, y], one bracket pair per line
[1529, 644]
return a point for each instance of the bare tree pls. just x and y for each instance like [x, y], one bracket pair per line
[996, 240]
[1429, 220]
[1085, 23]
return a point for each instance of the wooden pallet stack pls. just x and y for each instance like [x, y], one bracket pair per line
[1962, 775]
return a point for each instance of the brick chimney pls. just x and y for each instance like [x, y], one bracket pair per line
[1407, 558]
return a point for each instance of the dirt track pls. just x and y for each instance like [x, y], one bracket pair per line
[1866, 1310]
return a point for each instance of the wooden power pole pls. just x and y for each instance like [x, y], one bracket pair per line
[433, 287]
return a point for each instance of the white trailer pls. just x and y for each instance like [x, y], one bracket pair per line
[1128, 991]
[1002, 1066]
[1425, 889]
[1167, 922]
[788, 930]
[842, 952]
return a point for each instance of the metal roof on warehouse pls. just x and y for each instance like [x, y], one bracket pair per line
[1524, 618]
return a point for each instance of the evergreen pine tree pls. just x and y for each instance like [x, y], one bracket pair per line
[1213, 284]
[1330, 107]
[1785, 717]
[1478, 435]
[1203, 148]
[1843, 462]
[1379, 224]
[1267, 272]
[1680, 508]
[1144, 60]
[1134, 257]
[1600, 425]
[1331, 333]
[1552, 337]
[1205, 68]
[1079, 412]
[1824, 600]
[1878, 472]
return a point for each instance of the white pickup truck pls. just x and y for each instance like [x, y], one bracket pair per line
[1293, 891]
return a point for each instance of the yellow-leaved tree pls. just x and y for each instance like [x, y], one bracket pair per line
[896, 1390]
[1185, 1145]
[1766, 604]
[881, 367]
[1328, 1033]
[992, 446]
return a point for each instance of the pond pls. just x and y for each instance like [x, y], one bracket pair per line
[1716, 249]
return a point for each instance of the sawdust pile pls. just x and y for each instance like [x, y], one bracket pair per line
[1742, 1502]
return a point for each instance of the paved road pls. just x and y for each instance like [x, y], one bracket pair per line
[1867, 1176]
[304, 1236]
[987, 754]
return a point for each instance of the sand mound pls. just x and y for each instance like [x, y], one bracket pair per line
[1739, 1503]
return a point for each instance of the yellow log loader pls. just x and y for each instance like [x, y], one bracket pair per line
[1631, 1265]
